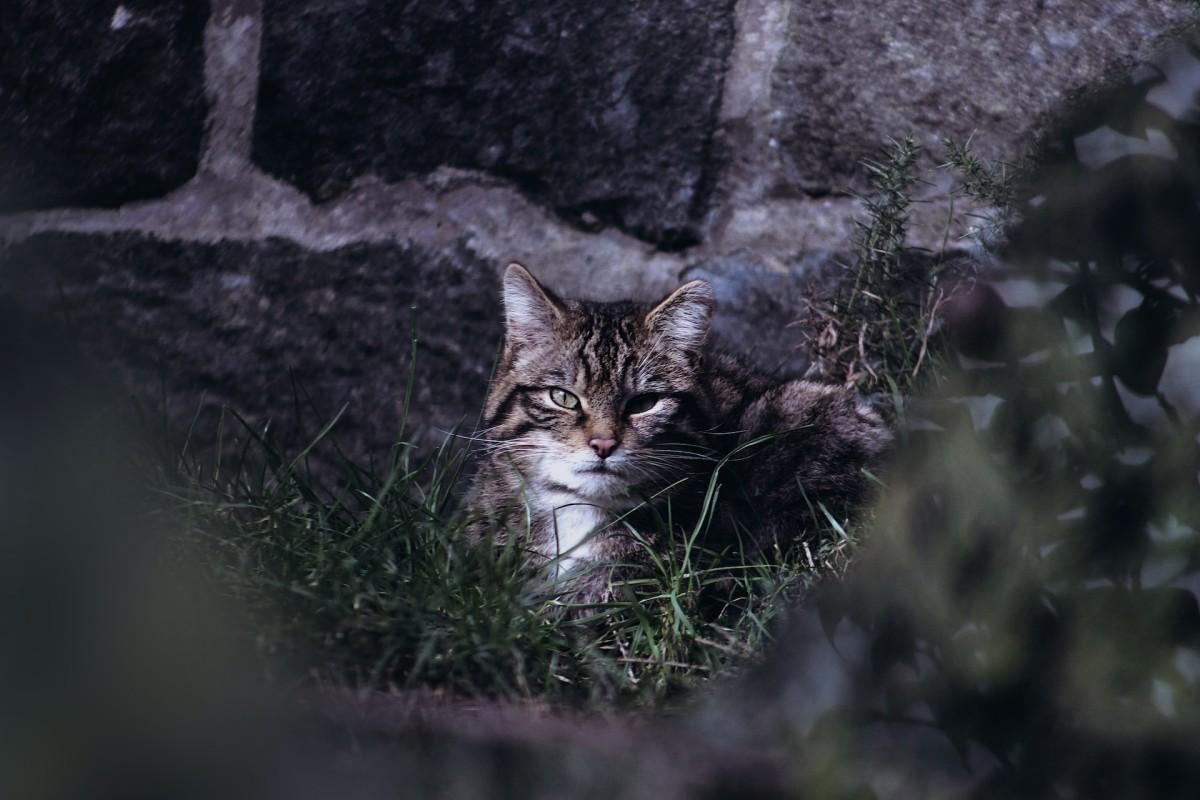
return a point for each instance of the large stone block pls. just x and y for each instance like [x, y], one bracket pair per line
[275, 331]
[854, 73]
[603, 111]
[100, 102]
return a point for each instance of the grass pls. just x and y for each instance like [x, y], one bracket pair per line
[993, 185]
[874, 327]
[878, 325]
[372, 581]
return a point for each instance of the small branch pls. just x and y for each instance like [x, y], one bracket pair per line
[933, 315]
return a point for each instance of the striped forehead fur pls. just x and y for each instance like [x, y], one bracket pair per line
[599, 345]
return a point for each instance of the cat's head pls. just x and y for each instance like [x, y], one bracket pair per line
[599, 400]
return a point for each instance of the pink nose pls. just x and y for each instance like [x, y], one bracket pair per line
[604, 446]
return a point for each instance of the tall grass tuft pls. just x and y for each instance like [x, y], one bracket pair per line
[368, 578]
[874, 328]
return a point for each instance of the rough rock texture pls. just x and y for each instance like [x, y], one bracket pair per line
[360, 154]
[603, 111]
[855, 72]
[100, 102]
[249, 325]
[758, 306]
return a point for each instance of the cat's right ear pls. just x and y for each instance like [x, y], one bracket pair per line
[682, 317]
[530, 311]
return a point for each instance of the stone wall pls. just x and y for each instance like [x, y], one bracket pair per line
[249, 201]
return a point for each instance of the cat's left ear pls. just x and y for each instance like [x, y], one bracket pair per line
[530, 311]
[683, 316]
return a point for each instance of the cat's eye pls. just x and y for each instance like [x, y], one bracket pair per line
[641, 403]
[563, 398]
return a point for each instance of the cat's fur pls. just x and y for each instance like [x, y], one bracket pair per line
[542, 480]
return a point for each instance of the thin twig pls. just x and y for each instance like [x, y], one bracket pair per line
[933, 316]
[862, 350]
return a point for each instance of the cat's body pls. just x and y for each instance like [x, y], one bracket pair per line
[599, 412]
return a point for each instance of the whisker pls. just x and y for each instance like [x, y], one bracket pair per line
[684, 455]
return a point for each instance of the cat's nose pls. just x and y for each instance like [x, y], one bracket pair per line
[603, 445]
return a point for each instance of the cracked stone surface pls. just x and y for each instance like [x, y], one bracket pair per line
[604, 112]
[357, 157]
[248, 325]
[274, 331]
[100, 102]
[854, 73]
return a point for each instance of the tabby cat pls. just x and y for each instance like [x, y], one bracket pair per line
[600, 411]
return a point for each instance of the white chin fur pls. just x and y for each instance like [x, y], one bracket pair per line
[590, 502]
[573, 473]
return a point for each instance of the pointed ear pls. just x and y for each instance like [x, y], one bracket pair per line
[682, 318]
[529, 310]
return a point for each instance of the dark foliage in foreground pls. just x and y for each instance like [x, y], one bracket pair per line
[1024, 622]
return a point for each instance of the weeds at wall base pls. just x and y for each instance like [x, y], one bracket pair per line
[375, 582]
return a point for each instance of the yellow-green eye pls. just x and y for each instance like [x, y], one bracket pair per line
[561, 397]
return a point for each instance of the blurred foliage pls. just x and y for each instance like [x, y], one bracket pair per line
[1028, 598]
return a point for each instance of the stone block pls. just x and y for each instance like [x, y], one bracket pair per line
[604, 112]
[854, 73]
[100, 102]
[274, 331]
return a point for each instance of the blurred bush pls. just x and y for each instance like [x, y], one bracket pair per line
[1024, 622]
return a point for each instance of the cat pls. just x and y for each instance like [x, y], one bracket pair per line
[598, 412]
